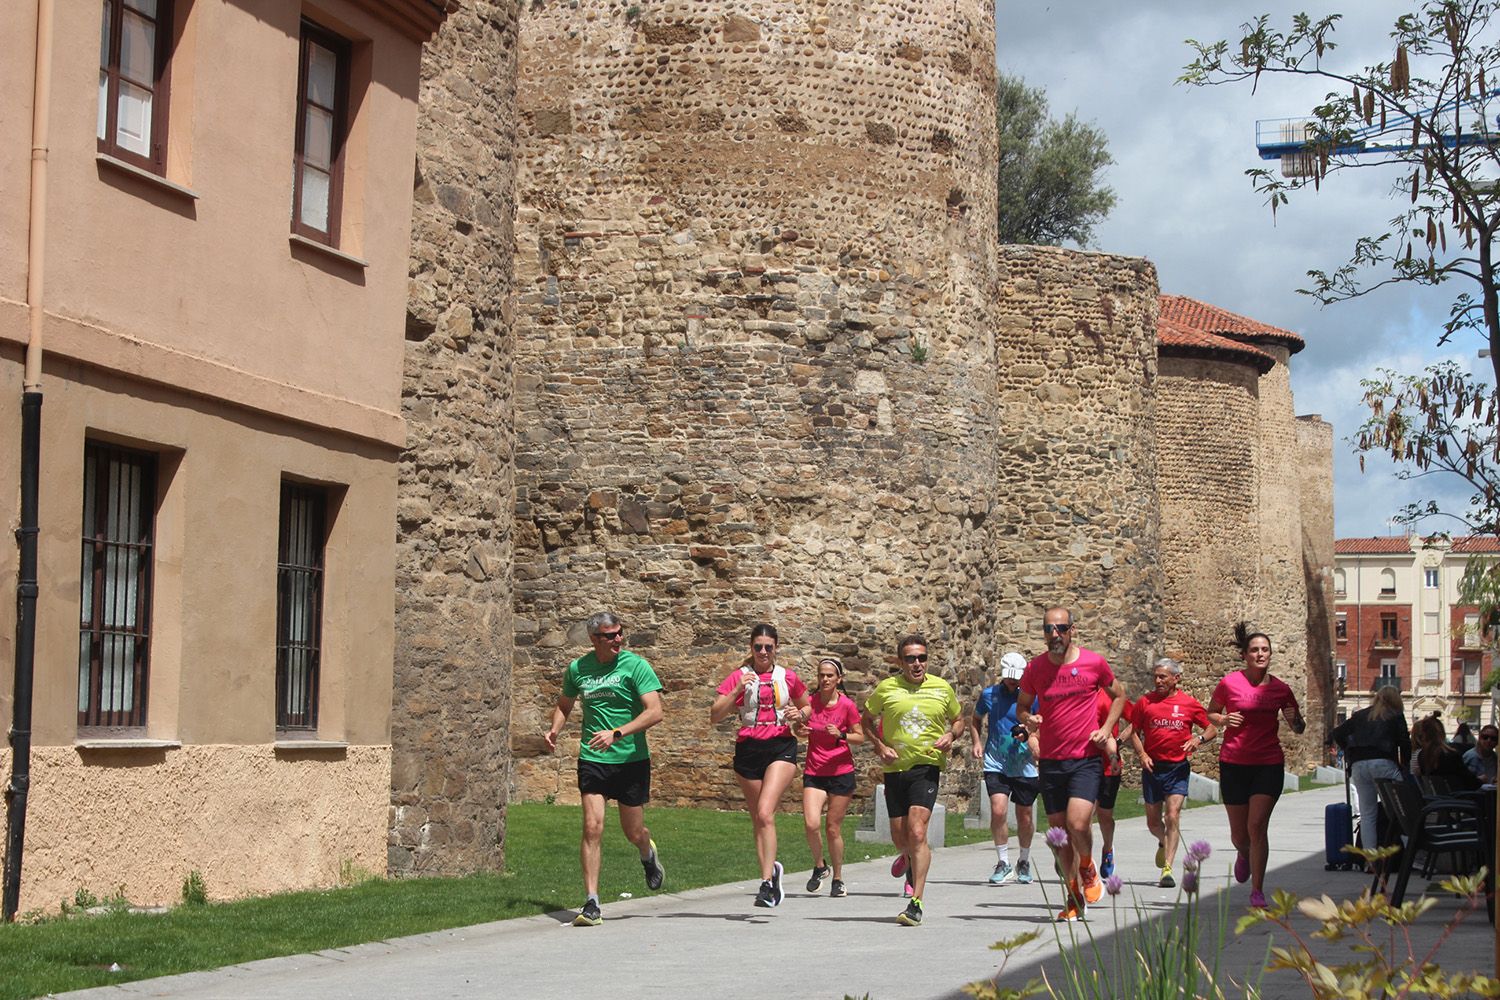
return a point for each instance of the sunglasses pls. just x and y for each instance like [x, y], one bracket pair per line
[615, 636]
[761, 647]
[1059, 629]
[918, 658]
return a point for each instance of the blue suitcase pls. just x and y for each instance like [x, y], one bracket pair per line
[1338, 833]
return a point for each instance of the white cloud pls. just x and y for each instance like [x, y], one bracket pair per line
[1185, 203]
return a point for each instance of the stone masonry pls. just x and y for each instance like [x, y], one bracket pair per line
[450, 722]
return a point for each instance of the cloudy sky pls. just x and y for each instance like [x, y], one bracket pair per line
[1185, 203]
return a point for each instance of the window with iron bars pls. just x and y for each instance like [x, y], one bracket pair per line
[114, 633]
[299, 605]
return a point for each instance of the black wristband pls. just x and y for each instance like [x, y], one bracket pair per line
[618, 735]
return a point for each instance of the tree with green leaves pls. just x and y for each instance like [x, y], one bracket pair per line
[1050, 188]
[1428, 117]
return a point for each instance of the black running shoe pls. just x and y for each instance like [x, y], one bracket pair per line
[818, 875]
[766, 896]
[589, 915]
[912, 915]
[838, 889]
[655, 873]
[776, 889]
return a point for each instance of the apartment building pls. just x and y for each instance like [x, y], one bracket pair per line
[203, 272]
[1399, 620]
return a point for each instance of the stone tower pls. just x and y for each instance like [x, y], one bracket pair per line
[755, 368]
[450, 719]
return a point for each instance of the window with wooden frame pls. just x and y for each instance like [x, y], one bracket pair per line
[322, 126]
[299, 604]
[135, 39]
[114, 634]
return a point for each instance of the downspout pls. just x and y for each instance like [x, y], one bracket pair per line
[31, 436]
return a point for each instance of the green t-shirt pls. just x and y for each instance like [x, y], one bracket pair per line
[912, 718]
[611, 696]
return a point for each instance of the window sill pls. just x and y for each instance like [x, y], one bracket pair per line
[283, 743]
[328, 251]
[155, 180]
[125, 743]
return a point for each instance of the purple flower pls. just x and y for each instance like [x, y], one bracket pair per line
[1190, 863]
[1190, 882]
[1200, 850]
[1113, 885]
[1056, 837]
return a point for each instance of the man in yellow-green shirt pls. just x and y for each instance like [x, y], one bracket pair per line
[911, 719]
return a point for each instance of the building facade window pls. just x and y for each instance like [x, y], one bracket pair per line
[1387, 583]
[1430, 670]
[114, 636]
[1430, 578]
[1471, 630]
[1388, 675]
[299, 605]
[134, 40]
[1471, 676]
[1429, 623]
[1341, 626]
[1339, 588]
[1389, 630]
[322, 119]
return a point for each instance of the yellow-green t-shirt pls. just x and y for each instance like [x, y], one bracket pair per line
[912, 718]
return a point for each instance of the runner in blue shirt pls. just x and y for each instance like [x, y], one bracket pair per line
[1009, 768]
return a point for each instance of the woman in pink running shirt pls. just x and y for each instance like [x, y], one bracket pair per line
[1249, 704]
[828, 776]
[768, 699]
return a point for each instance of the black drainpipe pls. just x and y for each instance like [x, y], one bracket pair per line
[26, 589]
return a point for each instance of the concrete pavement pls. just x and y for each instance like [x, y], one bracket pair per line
[712, 942]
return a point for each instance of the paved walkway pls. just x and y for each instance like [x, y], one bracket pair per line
[712, 943]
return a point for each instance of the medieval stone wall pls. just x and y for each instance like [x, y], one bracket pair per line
[450, 722]
[756, 244]
[1076, 519]
[1315, 462]
[1208, 431]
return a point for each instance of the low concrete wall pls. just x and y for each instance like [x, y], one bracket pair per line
[250, 819]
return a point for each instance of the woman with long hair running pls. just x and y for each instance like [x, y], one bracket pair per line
[1248, 705]
[828, 776]
[768, 698]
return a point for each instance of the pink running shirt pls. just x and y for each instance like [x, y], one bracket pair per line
[1255, 741]
[827, 755]
[1069, 702]
[765, 727]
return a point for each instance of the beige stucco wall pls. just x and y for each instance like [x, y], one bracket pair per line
[208, 293]
[251, 820]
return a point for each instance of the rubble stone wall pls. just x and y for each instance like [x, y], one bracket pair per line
[450, 722]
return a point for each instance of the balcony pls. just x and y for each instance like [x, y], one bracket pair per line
[1390, 640]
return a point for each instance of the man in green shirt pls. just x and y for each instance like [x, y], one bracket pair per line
[621, 700]
[911, 719]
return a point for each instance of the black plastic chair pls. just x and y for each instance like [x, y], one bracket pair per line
[1429, 829]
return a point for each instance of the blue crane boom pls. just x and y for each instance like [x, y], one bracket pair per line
[1288, 139]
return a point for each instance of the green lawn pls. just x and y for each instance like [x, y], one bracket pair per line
[541, 875]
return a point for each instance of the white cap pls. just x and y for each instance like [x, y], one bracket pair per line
[1012, 665]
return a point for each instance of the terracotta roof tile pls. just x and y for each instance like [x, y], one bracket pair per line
[1476, 543]
[1211, 319]
[1177, 338]
[1371, 546]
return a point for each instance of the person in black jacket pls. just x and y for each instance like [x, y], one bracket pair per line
[1377, 746]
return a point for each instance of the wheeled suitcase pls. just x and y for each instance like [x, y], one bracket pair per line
[1338, 833]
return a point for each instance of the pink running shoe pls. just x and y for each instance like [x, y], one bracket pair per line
[1242, 868]
[898, 867]
[1257, 899]
[908, 889]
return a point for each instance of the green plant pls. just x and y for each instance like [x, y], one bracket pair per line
[918, 349]
[83, 900]
[194, 890]
[351, 873]
[632, 12]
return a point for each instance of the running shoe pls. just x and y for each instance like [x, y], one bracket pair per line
[838, 889]
[776, 890]
[589, 915]
[1093, 889]
[1242, 867]
[1257, 899]
[1107, 864]
[898, 866]
[655, 873]
[907, 889]
[1161, 854]
[912, 915]
[766, 896]
[1002, 874]
[1167, 881]
[1023, 871]
[1071, 912]
[1077, 902]
[818, 875]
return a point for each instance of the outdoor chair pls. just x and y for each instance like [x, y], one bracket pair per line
[1429, 829]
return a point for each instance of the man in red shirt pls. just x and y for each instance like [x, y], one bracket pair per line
[1162, 724]
[1068, 678]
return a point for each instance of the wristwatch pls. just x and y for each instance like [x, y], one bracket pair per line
[618, 736]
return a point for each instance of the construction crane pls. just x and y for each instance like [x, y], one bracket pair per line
[1288, 139]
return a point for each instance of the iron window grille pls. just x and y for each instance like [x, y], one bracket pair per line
[299, 605]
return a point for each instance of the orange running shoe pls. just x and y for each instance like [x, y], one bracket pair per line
[1093, 889]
